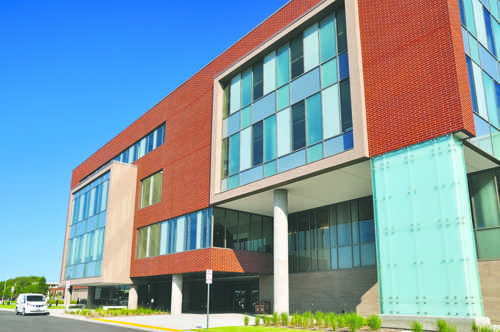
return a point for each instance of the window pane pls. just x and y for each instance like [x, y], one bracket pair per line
[269, 73]
[246, 117]
[284, 132]
[297, 56]
[232, 229]
[225, 103]
[246, 148]
[327, 38]
[246, 87]
[157, 187]
[283, 95]
[234, 154]
[255, 238]
[181, 234]
[341, 31]
[484, 199]
[343, 66]
[471, 84]
[331, 111]
[489, 31]
[154, 240]
[243, 230]
[487, 244]
[298, 126]
[258, 80]
[345, 105]
[491, 103]
[225, 160]
[283, 65]
[235, 94]
[164, 238]
[314, 123]
[270, 138]
[258, 143]
[311, 47]
[145, 192]
[219, 227]
[329, 73]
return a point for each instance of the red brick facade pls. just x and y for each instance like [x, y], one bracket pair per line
[414, 72]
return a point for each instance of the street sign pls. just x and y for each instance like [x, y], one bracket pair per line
[209, 277]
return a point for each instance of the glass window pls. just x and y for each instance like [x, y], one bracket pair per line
[481, 98]
[283, 96]
[226, 101]
[258, 143]
[219, 227]
[311, 47]
[298, 126]
[283, 119]
[164, 238]
[154, 240]
[246, 148]
[151, 188]
[234, 154]
[283, 65]
[246, 117]
[489, 31]
[141, 242]
[243, 231]
[246, 87]
[181, 234]
[487, 243]
[297, 56]
[270, 138]
[483, 191]
[327, 38]
[345, 105]
[331, 111]
[343, 66]
[341, 31]
[329, 73]
[471, 84]
[491, 103]
[258, 80]
[314, 121]
[235, 94]
[149, 142]
[225, 160]
[269, 73]
[232, 229]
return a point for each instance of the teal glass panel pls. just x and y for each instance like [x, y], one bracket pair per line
[251, 175]
[246, 148]
[474, 49]
[292, 161]
[489, 63]
[315, 152]
[270, 138]
[425, 245]
[233, 123]
[311, 47]
[246, 87]
[483, 192]
[494, 10]
[313, 119]
[234, 154]
[496, 35]
[270, 168]
[480, 24]
[284, 132]
[495, 138]
[283, 95]
[304, 86]
[329, 73]
[483, 136]
[331, 111]
[334, 146]
[481, 97]
[235, 94]
[181, 234]
[487, 244]
[269, 73]
[246, 117]
[283, 65]
[489, 89]
[469, 16]
[264, 107]
[328, 47]
[234, 181]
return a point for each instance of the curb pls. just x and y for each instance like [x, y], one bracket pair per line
[136, 325]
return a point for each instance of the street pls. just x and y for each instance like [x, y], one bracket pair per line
[9, 322]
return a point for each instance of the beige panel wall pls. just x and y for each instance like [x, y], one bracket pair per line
[489, 274]
[360, 150]
[335, 291]
[119, 226]
[266, 285]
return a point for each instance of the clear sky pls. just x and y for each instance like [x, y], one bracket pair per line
[73, 74]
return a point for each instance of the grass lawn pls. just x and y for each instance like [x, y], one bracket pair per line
[10, 306]
[251, 329]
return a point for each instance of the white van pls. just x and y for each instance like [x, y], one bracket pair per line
[31, 304]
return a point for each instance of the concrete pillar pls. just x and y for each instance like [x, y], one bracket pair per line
[67, 298]
[280, 244]
[176, 304]
[133, 298]
[90, 296]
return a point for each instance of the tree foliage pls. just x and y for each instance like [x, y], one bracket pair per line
[31, 284]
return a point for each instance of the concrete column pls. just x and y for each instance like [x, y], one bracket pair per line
[133, 298]
[90, 296]
[67, 298]
[281, 301]
[176, 304]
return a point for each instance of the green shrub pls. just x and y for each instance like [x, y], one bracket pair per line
[295, 320]
[341, 321]
[444, 327]
[486, 329]
[355, 322]
[307, 319]
[246, 320]
[416, 327]
[374, 322]
[275, 319]
[319, 317]
[284, 319]
[257, 320]
[331, 321]
[475, 328]
[267, 320]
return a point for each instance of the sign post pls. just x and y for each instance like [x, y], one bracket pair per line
[67, 297]
[208, 281]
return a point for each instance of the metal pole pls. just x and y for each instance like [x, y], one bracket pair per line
[208, 303]
[4, 285]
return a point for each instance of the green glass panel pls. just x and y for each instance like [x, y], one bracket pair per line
[283, 65]
[315, 152]
[270, 168]
[270, 138]
[487, 243]
[425, 245]
[283, 97]
[495, 137]
[469, 16]
[234, 181]
[484, 199]
[329, 73]
[311, 47]
[246, 117]
[327, 38]
[313, 119]
[234, 154]
[246, 87]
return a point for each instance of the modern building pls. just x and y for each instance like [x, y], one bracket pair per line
[341, 156]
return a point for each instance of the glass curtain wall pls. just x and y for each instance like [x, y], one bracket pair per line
[144, 146]
[481, 35]
[339, 236]
[87, 230]
[289, 108]
[483, 188]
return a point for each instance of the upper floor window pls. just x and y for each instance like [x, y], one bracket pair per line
[151, 189]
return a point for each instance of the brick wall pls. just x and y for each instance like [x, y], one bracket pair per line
[415, 75]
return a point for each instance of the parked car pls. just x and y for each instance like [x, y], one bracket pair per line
[31, 304]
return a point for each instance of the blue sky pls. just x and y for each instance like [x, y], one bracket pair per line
[73, 74]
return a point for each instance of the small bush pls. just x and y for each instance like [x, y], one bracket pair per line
[374, 322]
[246, 320]
[416, 327]
[319, 317]
[486, 329]
[257, 320]
[355, 322]
[275, 319]
[295, 320]
[444, 327]
[267, 320]
[475, 328]
[341, 321]
[331, 321]
[284, 319]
